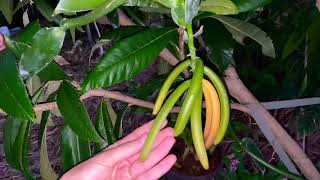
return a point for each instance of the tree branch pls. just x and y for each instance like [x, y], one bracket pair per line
[120, 97]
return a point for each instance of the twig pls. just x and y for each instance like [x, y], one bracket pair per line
[116, 96]
[181, 43]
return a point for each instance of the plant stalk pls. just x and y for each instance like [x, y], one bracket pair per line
[192, 49]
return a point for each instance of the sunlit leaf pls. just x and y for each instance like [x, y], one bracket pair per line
[37, 57]
[223, 7]
[248, 5]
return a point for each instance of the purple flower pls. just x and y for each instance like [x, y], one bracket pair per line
[234, 164]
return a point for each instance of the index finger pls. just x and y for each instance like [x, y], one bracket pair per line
[136, 134]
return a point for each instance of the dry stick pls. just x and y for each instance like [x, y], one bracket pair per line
[238, 90]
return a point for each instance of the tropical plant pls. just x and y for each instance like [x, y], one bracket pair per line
[29, 66]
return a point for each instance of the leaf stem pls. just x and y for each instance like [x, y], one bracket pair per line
[192, 49]
[273, 168]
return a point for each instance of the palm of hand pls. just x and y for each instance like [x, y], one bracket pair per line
[121, 160]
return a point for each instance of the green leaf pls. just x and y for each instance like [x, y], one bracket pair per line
[219, 43]
[240, 29]
[73, 149]
[178, 15]
[14, 99]
[16, 144]
[37, 57]
[118, 125]
[251, 146]
[122, 32]
[46, 170]
[248, 5]
[67, 6]
[53, 72]
[127, 58]
[168, 3]
[46, 11]
[104, 126]
[15, 47]
[26, 35]
[307, 120]
[74, 113]
[143, 3]
[6, 8]
[222, 7]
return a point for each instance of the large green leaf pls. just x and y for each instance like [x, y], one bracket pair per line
[53, 72]
[104, 126]
[73, 149]
[240, 29]
[26, 35]
[45, 46]
[16, 144]
[219, 43]
[129, 57]
[222, 7]
[67, 6]
[6, 8]
[14, 99]
[74, 113]
[247, 5]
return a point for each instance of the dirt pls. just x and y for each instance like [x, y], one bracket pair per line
[190, 165]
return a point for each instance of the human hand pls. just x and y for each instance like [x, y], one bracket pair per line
[121, 160]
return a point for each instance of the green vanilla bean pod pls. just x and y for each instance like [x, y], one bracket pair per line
[95, 14]
[167, 84]
[224, 101]
[161, 117]
[196, 131]
[188, 103]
